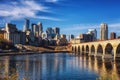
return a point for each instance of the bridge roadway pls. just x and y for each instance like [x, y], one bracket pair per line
[104, 49]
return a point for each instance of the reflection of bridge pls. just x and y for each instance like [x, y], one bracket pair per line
[104, 49]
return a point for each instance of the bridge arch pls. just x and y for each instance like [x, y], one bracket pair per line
[87, 49]
[83, 49]
[99, 49]
[93, 49]
[109, 49]
[75, 49]
[78, 49]
[118, 50]
[72, 48]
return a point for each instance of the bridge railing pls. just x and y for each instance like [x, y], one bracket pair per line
[97, 41]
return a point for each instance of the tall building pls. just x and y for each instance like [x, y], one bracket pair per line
[104, 31]
[26, 26]
[86, 37]
[40, 28]
[93, 32]
[71, 37]
[35, 30]
[10, 28]
[57, 30]
[13, 35]
[112, 35]
[50, 33]
[49, 30]
[32, 27]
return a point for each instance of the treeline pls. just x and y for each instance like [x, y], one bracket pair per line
[5, 45]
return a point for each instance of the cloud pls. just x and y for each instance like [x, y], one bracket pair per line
[48, 18]
[52, 1]
[24, 8]
[76, 29]
[79, 27]
[85, 27]
[114, 25]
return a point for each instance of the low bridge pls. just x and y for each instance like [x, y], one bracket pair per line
[104, 49]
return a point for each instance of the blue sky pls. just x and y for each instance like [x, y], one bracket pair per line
[71, 16]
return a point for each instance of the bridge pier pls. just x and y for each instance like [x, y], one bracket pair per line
[103, 55]
[114, 54]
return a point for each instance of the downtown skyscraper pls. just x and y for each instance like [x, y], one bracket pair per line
[103, 31]
[26, 26]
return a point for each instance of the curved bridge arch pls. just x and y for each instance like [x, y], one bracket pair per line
[78, 49]
[109, 50]
[99, 50]
[75, 49]
[83, 50]
[72, 48]
[118, 51]
[92, 50]
[87, 49]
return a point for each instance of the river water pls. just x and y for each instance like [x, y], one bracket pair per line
[58, 66]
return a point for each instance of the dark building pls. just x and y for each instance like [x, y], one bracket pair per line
[71, 37]
[32, 27]
[86, 37]
[56, 30]
[50, 33]
[40, 27]
[27, 22]
[49, 30]
[112, 35]
[118, 37]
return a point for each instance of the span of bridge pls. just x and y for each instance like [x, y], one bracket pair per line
[104, 49]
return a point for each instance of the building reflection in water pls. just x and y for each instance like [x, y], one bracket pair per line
[58, 66]
[7, 66]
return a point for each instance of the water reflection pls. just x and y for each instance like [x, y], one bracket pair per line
[58, 66]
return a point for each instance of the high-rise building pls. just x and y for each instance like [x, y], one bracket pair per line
[40, 27]
[13, 35]
[49, 30]
[32, 27]
[26, 26]
[112, 35]
[71, 37]
[104, 31]
[56, 30]
[37, 29]
[50, 33]
[93, 32]
[9, 28]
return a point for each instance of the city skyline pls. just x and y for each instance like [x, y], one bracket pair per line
[72, 17]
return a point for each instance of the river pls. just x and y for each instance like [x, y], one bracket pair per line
[57, 66]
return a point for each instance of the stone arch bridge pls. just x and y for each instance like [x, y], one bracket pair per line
[104, 49]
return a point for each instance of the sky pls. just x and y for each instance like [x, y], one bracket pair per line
[71, 16]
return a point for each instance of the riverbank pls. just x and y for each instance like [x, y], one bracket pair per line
[30, 53]
[37, 50]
